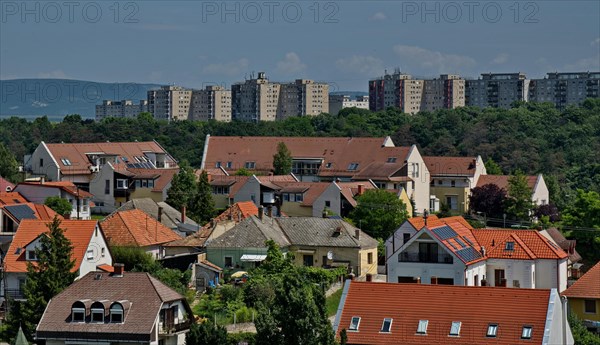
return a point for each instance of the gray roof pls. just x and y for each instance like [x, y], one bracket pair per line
[170, 216]
[298, 231]
[21, 212]
[140, 294]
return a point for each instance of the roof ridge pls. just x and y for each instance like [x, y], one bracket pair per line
[524, 245]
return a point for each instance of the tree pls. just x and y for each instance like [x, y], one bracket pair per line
[243, 172]
[59, 205]
[202, 206]
[585, 212]
[518, 204]
[492, 168]
[581, 334]
[549, 212]
[282, 160]
[183, 187]
[206, 333]
[488, 199]
[9, 168]
[378, 213]
[46, 277]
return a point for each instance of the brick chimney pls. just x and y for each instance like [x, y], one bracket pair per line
[261, 211]
[160, 211]
[357, 234]
[183, 214]
[119, 269]
[361, 189]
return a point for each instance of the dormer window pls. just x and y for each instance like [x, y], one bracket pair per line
[250, 165]
[492, 330]
[116, 313]
[31, 255]
[391, 160]
[455, 328]
[352, 166]
[510, 246]
[328, 165]
[78, 312]
[422, 328]
[387, 325]
[97, 312]
[526, 333]
[354, 323]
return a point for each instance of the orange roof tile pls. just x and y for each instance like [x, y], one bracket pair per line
[11, 198]
[418, 222]
[588, 286]
[528, 244]
[502, 181]
[474, 307]
[41, 212]
[450, 166]
[79, 232]
[5, 186]
[106, 268]
[66, 186]
[135, 228]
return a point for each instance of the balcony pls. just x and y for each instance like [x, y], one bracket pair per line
[173, 328]
[15, 294]
[426, 258]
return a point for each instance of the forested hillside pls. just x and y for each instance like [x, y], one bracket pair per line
[536, 138]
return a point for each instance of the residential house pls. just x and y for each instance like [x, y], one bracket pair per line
[261, 189]
[410, 227]
[150, 183]
[318, 159]
[116, 308]
[539, 196]
[339, 197]
[90, 250]
[574, 260]
[224, 189]
[134, 228]
[12, 215]
[205, 274]
[452, 179]
[164, 213]
[100, 168]
[584, 297]
[384, 313]
[38, 192]
[321, 242]
[5, 186]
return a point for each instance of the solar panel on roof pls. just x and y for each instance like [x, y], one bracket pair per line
[468, 241]
[468, 254]
[21, 212]
[453, 246]
[458, 240]
[445, 232]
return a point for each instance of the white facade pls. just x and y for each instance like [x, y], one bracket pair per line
[42, 163]
[102, 187]
[418, 190]
[540, 195]
[38, 194]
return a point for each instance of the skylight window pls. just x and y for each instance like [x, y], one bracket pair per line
[65, 161]
[391, 160]
[455, 328]
[352, 166]
[510, 246]
[422, 329]
[354, 323]
[492, 330]
[328, 165]
[526, 333]
[386, 326]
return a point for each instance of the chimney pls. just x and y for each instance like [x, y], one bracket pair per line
[357, 234]
[118, 272]
[270, 211]
[425, 216]
[361, 189]
[183, 214]
[434, 280]
[160, 211]
[483, 251]
[261, 211]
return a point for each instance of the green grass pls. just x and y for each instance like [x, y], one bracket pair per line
[98, 216]
[333, 301]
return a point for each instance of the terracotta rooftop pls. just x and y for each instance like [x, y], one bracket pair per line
[234, 182]
[11, 198]
[419, 222]
[527, 244]
[450, 166]
[33, 211]
[5, 186]
[457, 236]
[135, 228]
[66, 186]
[311, 190]
[350, 190]
[567, 245]
[588, 286]
[79, 232]
[502, 181]
[441, 305]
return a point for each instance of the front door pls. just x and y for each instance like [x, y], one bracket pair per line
[308, 260]
[498, 277]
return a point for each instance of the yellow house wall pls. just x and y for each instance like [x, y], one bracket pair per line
[221, 200]
[358, 258]
[577, 306]
[294, 209]
[462, 196]
[406, 200]
[146, 193]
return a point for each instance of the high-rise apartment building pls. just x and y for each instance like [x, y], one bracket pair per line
[124, 108]
[339, 102]
[400, 90]
[261, 100]
[170, 103]
[564, 89]
[497, 90]
[211, 103]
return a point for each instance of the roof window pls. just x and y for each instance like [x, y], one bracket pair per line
[354, 323]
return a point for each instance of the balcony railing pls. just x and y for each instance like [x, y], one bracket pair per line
[426, 258]
[15, 294]
[171, 328]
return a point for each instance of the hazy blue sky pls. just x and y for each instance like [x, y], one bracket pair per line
[343, 42]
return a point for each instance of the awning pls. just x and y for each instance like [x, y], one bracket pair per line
[253, 257]
[305, 251]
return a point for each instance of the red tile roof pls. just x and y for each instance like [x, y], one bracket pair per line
[528, 244]
[41, 212]
[350, 189]
[474, 307]
[5, 186]
[463, 239]
[588, 286]
[11, 198]
[135, 228]
[67, 186]
[419, 222]
[163, 176]
[450, 166]
[106, 268]
[79, 232]
[502, 181]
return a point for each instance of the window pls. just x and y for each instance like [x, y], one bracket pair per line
[107, 187]
[97, 311]
[422, 329]
[352, 166]
[299, 197]
[590, 306]
[354, 323]
[328, 165]
[327, 203]
[121, 184]
[228, 261]
[31, 255]
[138, 183]
[391, 160]
[453, 183]
[492, 330]
[405, 237]
[369, 258]
[144, 183]
[90, 254]
[452, 202]
[150, 183]
[78, 312]
[41, 162]
[229, 165]
[116, 313]
[65, 161]
[103, 250]
[250, 165]
[455, 328]
[218, 165]
[510, 246]
[526, 333]
[386, 326]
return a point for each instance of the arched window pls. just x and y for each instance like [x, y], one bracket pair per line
[78, 312]
[97, 310]
[116, 312]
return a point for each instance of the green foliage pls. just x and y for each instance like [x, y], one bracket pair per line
[183, 187]
[488, 199]
[243, 337]
[59, 205]
[379, 213]
[492, 168]
[343, 337]
[243, 172]
[206, 333]
[9, 168]
[581, 334]
[333, 302]
[282, 160]
[585, 212]
[518, 204]
[202, 205]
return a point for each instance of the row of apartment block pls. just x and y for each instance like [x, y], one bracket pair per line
[497, 90]
[124, 108]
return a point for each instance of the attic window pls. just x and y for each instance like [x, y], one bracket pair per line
[526, 333]
[352, 166]
[218, 165]
[65, 161]
[391, 160]
[422, 329]
[97, 310]
[354, 323]
[328, 165]
[387, 325]
[492, 330]
[78, 312]
[229, 165]
[250, 165]
[31, 256]
[455, 328]
[116, 313]
[510, 246]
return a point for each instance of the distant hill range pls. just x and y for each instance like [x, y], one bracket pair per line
[56, 98]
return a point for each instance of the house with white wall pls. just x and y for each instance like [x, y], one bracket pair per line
[38, 192]
[539, 191]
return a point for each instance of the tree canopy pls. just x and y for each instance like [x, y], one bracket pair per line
[202, 205]
[282, 160]
[59, 205]
[183, 187]
[9, 168]
[378, 213]
[519, 205]
[488, 199]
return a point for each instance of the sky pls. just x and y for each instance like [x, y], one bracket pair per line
[344, 43]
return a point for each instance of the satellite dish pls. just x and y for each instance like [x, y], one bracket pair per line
[330, 255]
